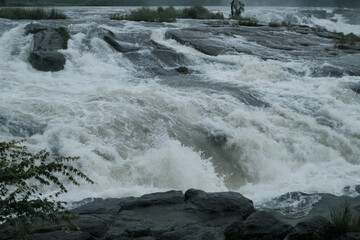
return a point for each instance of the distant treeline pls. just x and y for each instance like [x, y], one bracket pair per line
[116, 2]
[301, 3]
[310, 3]
[156, 2]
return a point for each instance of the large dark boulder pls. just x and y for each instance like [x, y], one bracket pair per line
[350, 236]
[316, 228]
[47, 41]
[225, 202]
[167, 215]
[258, 226]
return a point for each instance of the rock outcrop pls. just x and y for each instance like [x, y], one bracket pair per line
[195, 215]
[47, 41]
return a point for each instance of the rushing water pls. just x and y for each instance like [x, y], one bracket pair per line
[138, 133]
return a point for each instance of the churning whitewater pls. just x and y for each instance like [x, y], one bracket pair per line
[259, 126]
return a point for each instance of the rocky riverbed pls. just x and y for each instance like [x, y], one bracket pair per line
[196, 214]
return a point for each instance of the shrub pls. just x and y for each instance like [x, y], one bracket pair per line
[248, 21]
[148, 15]
[274, 24]
[33, 14]
[166, 14]
[237, 8]
[347, 41]
[21, 174]
[344, 221]
[199, 12]
[64, 32]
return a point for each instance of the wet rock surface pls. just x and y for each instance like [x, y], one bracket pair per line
[277, 43]
[196, 214]
[47, 41]
[19, 125]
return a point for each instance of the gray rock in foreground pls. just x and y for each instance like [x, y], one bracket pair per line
[47, 42]
[196, 214]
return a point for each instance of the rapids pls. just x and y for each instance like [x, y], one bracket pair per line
[138, 132]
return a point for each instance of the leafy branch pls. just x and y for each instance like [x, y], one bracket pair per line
[21, 173]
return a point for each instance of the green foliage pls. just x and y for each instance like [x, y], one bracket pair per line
[286, 24]
[237, 8]
[348, 41]
[274, 24]
[248, 21]
[30, 13]
[148, 15]
[65, 34]
[21, 175]
[198, 12]
[166, 14]
[344, 220]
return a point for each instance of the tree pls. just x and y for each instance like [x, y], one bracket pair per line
[237, 7]
[21, 174]
[2, 2]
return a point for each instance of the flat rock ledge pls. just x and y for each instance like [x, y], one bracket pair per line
[194, 215]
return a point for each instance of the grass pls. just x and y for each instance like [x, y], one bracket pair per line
[344, 221]
[64, 32]
[274, 24]
[348, 41]
[166, 14]
[30, 13]
[248, 21]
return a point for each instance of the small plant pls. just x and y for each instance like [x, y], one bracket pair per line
[30, 13]
[286, 24]
[344, 220]
[274, 24]
[347, 41]
[64, 32]
[21, 175]
[248, 21]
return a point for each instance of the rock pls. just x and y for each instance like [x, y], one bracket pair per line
[315, 228]
[173, 215]
[47, 41]
[74, 235]
[182, 70]
[199, 40]
[259, 225]
[356, 89]
[350, 236]
[110, 38]
[219, 202]
[19, 125]
[47, 60]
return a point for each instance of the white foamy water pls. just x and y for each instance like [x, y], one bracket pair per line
[138, 133]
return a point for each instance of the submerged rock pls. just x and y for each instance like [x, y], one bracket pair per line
[47, 41]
